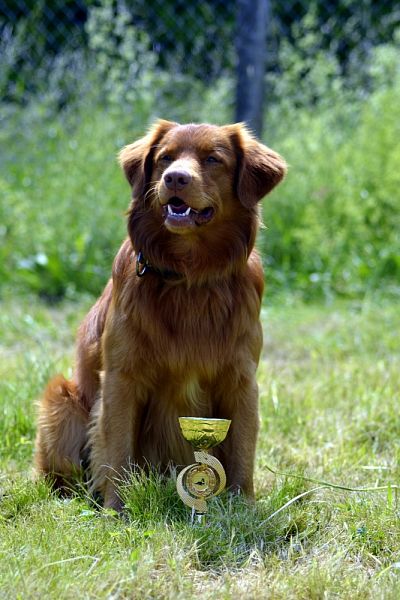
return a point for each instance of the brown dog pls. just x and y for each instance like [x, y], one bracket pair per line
[176, 330]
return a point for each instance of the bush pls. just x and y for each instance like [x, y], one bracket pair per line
[332, 227]
[62, 209]
[62, 195]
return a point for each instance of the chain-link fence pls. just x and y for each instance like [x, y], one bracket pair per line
[56, 45]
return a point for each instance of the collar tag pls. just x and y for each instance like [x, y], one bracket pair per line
[141, 265]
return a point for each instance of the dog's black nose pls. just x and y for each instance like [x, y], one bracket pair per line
[177, 179]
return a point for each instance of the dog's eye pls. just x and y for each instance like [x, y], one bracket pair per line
[166, 158]
[212, 159]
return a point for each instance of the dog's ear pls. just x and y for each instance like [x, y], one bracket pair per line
[137, 159]
[259, 169]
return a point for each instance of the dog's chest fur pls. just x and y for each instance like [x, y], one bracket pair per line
[185, 334]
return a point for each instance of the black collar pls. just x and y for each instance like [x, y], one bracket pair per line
[143, 266]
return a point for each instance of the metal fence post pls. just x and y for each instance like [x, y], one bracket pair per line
[252, 21]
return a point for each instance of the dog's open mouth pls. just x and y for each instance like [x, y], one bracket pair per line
[178, 213]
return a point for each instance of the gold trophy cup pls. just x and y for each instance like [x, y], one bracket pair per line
[206, 477]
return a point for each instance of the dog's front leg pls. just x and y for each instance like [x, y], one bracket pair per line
[114, 434]
[238, 401]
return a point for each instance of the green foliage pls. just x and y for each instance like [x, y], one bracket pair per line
[62, 194]
[62, 214]
[124, 64]
[332, 226]
[129, 73]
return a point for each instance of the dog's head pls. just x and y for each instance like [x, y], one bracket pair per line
[195, 190]
[192, 175]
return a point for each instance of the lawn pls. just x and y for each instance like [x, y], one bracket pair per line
[329, 375]
[329, 392]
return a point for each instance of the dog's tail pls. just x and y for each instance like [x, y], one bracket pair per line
[62, 432]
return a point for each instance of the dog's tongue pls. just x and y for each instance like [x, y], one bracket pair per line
[180, 208]
[177, 209]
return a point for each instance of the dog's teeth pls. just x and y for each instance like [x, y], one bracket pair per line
[171, 211]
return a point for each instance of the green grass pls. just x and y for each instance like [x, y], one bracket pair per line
[329, 377]
[329, 389]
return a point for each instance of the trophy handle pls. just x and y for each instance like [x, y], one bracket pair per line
[198, 503]
[211, 461]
